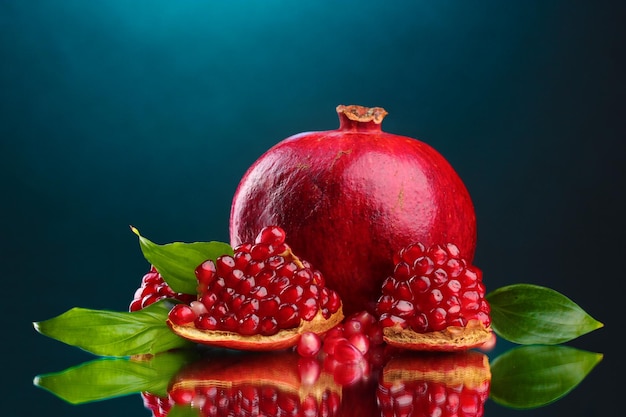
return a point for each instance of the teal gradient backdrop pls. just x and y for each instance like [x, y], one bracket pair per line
[148, 113]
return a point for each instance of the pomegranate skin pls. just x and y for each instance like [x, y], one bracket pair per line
[350, 198]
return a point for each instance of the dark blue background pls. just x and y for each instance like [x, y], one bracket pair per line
[148, 113]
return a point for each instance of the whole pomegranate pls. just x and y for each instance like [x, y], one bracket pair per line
[350, 198]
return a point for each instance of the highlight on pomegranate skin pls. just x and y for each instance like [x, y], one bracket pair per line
[261, 298]
[434, 300]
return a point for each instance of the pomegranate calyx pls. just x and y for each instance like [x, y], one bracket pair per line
[362, 114]
[284, 339]
[450, 339]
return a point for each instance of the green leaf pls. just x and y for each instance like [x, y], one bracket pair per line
[531, 314]
[534, 376]
[110, 333]
[176, 262]
[107, 378]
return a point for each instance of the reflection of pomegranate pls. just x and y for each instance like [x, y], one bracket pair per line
[435, 385]
[268, 384]
[352, 197]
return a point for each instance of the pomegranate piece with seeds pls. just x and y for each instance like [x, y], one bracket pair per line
[434, 300]
[263, 297]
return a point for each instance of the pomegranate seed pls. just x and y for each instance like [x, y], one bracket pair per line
[271, 235]
[260, 251]
[360, 341]
[205, 272]
[287, 316]
[438, 254]
[245, 285]
[308, 308]
[309, 344]
[344, 352]
[224, 264]
[352, 326]
[403, 308]
[249, 325]
[287, 269]
[402, 271]
[229, 322]
[412, 252]
[455, 267]
[135, 305]
[255, 268]
[291, 294]
[249, 306]
[334, 302]
[198, 308]
[384, 304]
[181, 314]
[268, 326]
[268, 306]
[440, 277]
[389, 320]
[208, 300]
[438, 319]
[419, 284]
[303, 277]
[206, 322]
[150, 299]
[318, 279]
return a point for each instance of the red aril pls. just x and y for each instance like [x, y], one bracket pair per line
[152, 289]
[350, 198]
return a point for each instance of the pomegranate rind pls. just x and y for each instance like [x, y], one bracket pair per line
[284, 339]
[450, 339]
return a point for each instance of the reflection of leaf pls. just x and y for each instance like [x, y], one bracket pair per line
[110, 333]
[531, 314]
[534, 376]
[107, 378]
[176, 262]
[183, 411]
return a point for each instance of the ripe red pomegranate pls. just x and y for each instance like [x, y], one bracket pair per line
[350, 198]
[435, 385]
[434, 300]
[261, 298]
